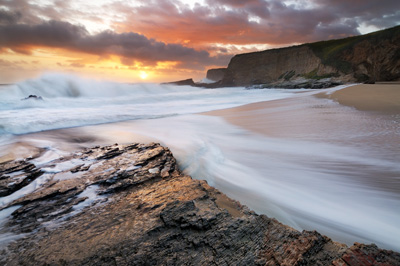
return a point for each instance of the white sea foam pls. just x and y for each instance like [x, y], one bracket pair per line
[69, 101]
[207, 81]
[37, 183]
[7, 237]
[90, 196]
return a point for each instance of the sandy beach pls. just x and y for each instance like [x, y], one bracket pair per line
[287, 117]
[364, 116]
[380, 97]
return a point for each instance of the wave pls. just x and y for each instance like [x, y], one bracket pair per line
[56, 85]
[76, 89]
[70, 101]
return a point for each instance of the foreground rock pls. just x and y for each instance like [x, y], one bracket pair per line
[130, 205]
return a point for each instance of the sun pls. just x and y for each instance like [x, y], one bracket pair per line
[143, 75]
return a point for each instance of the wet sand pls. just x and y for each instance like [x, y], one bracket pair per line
[288, 117]
[381, 97]
[363, 117]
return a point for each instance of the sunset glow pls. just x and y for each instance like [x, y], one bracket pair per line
[143, 75]
[165, 40]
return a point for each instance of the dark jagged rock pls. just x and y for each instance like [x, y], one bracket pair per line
[130, 205]
[16, 175]
[300, 83]
[184, 82]
[34, 97]
[369, 255]
[190, 82]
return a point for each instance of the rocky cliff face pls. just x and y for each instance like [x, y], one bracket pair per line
[130, 205]
[372, 57]
[272, 65]
[375, 61]
[216, 74]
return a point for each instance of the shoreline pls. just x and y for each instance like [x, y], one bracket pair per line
[382, 99]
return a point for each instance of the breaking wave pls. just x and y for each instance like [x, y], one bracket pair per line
[61, 101]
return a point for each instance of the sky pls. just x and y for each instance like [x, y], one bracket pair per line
[167, 40]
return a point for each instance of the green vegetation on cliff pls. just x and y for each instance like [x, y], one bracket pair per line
[314, 75]
[330, 52]
[365, 58]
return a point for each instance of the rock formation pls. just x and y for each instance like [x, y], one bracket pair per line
[184, 82]
[130, 205]
[216, 74]
[32, 96]
[366, 58]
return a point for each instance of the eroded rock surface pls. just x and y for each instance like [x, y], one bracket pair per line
[130, 205]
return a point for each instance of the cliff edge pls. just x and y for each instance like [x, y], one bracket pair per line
[366, 58]
[130, 205]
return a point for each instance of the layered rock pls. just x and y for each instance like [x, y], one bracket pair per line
[272, 65]
[130, 205]
[367, 58]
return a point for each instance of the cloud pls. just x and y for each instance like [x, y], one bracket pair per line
[129, 46]
[151, 31]
[12, 64]
[77, 65]
[255, 21]
[6, 63]
[7, 17]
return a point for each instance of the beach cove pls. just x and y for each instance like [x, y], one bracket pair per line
[310, 162]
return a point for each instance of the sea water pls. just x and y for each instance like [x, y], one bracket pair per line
[333, 169]
[69, 101]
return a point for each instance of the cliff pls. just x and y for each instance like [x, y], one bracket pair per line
[366, 58]
[216, 74]
[130, 205]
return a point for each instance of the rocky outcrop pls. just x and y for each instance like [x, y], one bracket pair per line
[190, 82]
[298, 83]
[184, 82]
[366, 58]
[34, 97]
[130, 205]
[216, 74]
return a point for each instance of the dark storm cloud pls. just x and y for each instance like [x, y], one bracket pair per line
[32, 12]
[7, 17]
[130, 45]
[50, 33]
[383, 13]
[280, 22]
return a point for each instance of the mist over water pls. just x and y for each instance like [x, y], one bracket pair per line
[69, 101]
[331, 168]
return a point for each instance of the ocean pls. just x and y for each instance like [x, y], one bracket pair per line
[322, 166]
